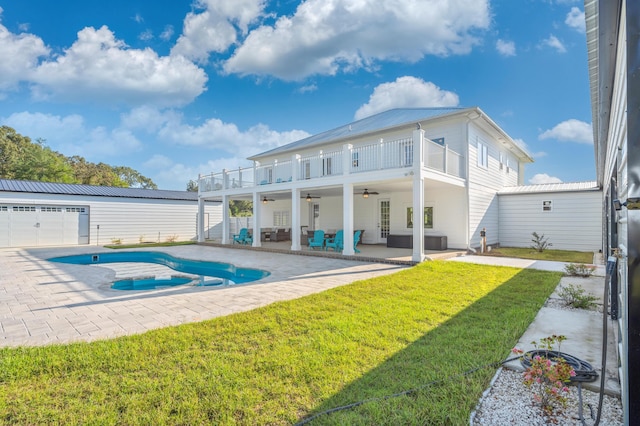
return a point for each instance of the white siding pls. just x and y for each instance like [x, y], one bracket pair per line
[574, 222]
[484, 184]
[128, 219]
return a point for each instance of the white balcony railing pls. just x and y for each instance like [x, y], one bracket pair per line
[360, 158]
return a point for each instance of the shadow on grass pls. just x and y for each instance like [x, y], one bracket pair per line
[480, 335]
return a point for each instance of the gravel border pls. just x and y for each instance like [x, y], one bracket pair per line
[509, 402]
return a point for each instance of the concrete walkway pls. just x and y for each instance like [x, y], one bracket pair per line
[42, 302]
[582, 328]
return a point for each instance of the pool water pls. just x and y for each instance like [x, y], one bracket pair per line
[149, 283]
[224, 273]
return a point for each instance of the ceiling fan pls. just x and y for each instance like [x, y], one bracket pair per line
[366, 193]
[309, 197]
[265, 200]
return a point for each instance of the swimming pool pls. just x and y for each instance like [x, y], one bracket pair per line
[225, 273]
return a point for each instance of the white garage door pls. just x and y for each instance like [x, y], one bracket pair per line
[43, 225]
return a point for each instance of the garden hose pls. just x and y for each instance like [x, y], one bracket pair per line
[584, 371]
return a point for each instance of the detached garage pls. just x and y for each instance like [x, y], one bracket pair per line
[569, 214]
[54, 214]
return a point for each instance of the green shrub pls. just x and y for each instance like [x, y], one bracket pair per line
[540, 243]
[579, 270]
[577, 297]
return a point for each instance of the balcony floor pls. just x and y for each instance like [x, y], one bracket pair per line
[368, 252]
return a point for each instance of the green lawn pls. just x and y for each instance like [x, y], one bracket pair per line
[285, 362]
[548, 254]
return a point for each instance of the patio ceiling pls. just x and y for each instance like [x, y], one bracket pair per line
[383, 187]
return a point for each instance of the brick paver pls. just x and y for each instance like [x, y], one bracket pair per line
[42, 302]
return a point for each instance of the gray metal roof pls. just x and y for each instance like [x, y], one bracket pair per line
[551, 187]
[91, 190]
[384, 120]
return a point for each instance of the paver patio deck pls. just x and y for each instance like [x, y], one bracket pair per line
[43, 302]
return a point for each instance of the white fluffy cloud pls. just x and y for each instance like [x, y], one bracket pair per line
[571, 130]
[99, 66]
[19, 56]
[541, 178]
[214, 28]
[406, 92]
[70, 135]
[213, 134]
[575, 20]
[554, 43]
[506, 48]
[325, 36]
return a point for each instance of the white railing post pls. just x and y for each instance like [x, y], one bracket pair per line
[346, 158]
[225, 179]
[380, 153]
[418, 149]
[445, 158]
[295, 167]
[255, 173]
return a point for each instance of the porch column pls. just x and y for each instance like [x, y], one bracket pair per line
[257, 207]
[225, 219]
[418, 196]
[200, 224]
[295, 219]
[347, 218]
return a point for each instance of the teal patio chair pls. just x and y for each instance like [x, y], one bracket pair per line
[356, 239]
[317, 240]
[336, 243]
[243, 237]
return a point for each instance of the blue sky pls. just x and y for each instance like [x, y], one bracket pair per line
[174, 88]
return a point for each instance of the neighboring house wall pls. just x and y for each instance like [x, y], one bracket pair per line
[573, 221]
[615, 91]
[128, 219]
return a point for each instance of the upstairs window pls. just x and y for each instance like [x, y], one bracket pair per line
[483, 155]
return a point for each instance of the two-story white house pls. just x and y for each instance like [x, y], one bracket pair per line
[399, 175]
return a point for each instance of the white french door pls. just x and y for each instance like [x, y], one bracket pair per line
[384, 220]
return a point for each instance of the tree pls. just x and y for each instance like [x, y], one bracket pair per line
[192, 186]
[133, 178]
[240, 208]
[23, 159]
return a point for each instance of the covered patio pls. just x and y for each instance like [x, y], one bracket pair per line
[378, 253]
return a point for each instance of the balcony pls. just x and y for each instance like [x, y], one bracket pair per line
[351, 159]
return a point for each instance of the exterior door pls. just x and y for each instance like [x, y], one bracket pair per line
[384, 220]
[314, 216]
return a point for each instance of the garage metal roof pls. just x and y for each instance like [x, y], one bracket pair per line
[7, 185]
[551, 187]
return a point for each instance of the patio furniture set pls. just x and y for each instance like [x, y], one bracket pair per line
[317, 239]
[325, 241]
